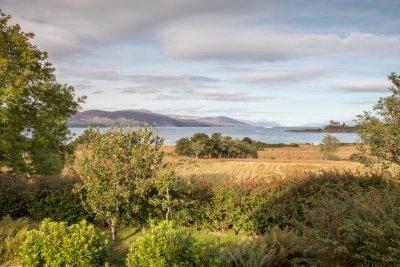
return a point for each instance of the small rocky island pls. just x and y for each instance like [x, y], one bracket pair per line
[333, 127]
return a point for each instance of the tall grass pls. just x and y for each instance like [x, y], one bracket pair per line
[12, 235]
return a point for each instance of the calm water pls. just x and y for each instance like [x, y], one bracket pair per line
[273, 136]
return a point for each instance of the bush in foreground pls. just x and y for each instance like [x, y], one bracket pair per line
[354, 218]
[278, 247]
[41, 197]
[57, 244]
[360, 229]
[12, 234]
[168, 245]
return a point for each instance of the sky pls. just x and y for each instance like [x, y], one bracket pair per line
[291, 61]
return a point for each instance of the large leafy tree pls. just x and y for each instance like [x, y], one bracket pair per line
[34, 108]
[118, 171]
[380, 130]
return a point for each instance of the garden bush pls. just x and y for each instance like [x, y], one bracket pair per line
[354, 217]
[12, 234]
[234, 203]
[298, 194]
[57, 244]
[165, 245]
[226, 204]
[345, 218]
[41, 197]
[278, 247]
[362, 229]
[53, 198]
[13, 199]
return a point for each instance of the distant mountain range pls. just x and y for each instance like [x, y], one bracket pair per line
[139, 117]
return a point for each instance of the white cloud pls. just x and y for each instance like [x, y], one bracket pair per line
[282, 76]
[65, 27]
[364, 86]
[214, 94]
[59, 41]
[256, 43]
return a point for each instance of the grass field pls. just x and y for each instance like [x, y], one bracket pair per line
[283, 162]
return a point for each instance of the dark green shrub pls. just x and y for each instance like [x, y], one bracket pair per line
[355, 218]
[276, 248]
[197, 196]
[234, 203]
[167, 245]
[41, 197]
[225, 204]
[57, 244]
[12, 234]
[307, 192]
[363, 228]
[13, 199]
[53, 198]
[343, 219]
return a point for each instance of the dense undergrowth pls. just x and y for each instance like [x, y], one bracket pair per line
[324, 219]
[41, 197]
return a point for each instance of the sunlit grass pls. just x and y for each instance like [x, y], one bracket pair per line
[273, 162]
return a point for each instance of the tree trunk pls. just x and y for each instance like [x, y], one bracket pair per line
[113, 230]
[168, 206]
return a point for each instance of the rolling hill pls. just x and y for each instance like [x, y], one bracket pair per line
[103, 118]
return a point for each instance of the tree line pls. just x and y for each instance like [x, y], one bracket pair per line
[200, 145]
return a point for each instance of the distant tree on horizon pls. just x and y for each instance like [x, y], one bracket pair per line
[328, 147]
[201, 145]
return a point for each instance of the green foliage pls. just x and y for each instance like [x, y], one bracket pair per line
[13, 196]
[218, 146]
[276, 248]
[41, 197]
[116, 169]
[184, 147]
[360, 229]
[225, 204]
[34, 108]
[168, 191]
[380, 131]
[300, 193]
[12, 234]
[352, 219]
[165, 245]
[341, 218]
[329, 145]
[57, 244]
[53, 198]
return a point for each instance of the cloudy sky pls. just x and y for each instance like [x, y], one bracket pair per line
[289, 61]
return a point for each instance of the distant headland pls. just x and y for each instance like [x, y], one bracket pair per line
[333, 127]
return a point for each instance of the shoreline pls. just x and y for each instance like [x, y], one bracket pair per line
[327, 130]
